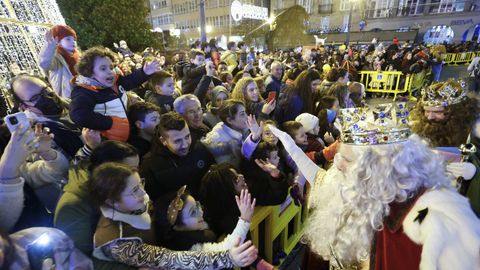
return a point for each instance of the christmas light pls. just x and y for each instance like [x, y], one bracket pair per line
[23, 24]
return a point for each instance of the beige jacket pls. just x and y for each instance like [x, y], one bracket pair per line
[56, 69]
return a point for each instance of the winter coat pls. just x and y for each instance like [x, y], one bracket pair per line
[77, 216]
[191, 77]
[164, 102]
[263, 187]
[273, 84]
[68, 256]
[57, 70]
[165, 172]
[105, 109]
[225, 144]
[230, 58]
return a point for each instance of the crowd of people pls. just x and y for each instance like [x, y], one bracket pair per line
[138, 161]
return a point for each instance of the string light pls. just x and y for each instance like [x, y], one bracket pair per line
[23, 24]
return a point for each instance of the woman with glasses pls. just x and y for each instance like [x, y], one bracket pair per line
[124, 232]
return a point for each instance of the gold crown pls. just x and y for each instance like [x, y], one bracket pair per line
[380, 124]
[443, 93]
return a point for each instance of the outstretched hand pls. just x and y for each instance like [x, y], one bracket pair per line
[151, 67]
[268, 107]
[255, 129]
[245, 205]
[243, 255]
[268, 167]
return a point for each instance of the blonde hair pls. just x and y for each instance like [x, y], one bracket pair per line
[239, 92]
[379, 176]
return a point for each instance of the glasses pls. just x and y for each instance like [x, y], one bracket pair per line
[138, 191]
[36, 97]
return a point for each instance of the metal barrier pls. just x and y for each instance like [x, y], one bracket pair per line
[389, 82]
[277, 224]
[463, 58]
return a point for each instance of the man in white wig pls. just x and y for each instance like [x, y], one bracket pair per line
[387, 202]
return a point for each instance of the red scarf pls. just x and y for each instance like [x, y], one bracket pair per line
[71, 58]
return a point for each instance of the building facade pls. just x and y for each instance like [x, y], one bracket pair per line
[435, 20]
[183, 17]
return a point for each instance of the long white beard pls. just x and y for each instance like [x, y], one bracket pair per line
[335, 222]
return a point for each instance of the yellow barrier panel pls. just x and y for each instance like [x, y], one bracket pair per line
[463, 58]
[386, 82]
[449, 58]
[277, 224]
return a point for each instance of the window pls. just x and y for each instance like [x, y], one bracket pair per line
[325, 23]
[345, 23]
[344, 5]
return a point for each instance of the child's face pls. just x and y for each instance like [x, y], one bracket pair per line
[192, 215]
[151, 121]
[267, 136]
[251, 92]
[221, 97]
[300, 137]
[103, 71]
[198, 60]
[133, 196]
[239, 182]
[274, 158]
[167, 88]
[68, 43]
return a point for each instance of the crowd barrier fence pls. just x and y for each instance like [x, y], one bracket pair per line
[463, 58]
[389, 82]
[286, 223]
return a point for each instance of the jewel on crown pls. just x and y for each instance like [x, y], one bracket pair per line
[443, 93]
[373, 125]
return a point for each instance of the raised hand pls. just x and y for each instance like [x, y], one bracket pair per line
[245, 205]
[269, 107]
[243, 255]
[268, 167]
[44, 140]
[91, 137]
[255, 129]
[151, 67]
[50, 39]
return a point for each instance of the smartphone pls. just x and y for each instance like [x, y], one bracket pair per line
[39, 250]
[13, 121]
[271, 96]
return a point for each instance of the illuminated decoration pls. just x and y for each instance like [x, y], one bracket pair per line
[240, 11]
[23, 25]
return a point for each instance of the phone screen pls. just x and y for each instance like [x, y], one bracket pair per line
[38, 251]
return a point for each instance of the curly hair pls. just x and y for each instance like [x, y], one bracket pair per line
[454, 131]
[349, 206]
[86, 63]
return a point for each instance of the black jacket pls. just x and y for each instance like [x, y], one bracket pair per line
[164, 102]
[191, 77]
[165, 172]
[263, 187]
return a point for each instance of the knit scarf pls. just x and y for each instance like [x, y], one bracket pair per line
[70, 58]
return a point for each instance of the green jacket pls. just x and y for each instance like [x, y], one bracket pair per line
[77, 216]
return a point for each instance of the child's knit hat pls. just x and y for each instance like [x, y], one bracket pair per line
[62, 31]
[309, 121]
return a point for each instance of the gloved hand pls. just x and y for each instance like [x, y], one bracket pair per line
[119, 131]
[297, 194]
[464, 169]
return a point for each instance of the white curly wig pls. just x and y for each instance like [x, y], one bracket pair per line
[349, 206]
